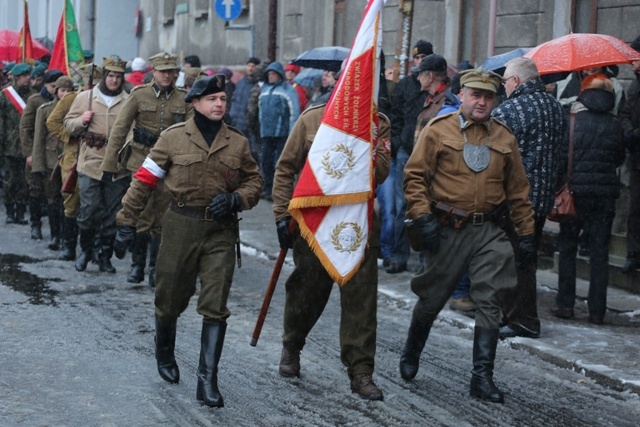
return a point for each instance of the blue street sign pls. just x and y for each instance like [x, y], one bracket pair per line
[228, 9]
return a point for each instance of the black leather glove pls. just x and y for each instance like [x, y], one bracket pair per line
[124, 236]
[225, 204]
[429, 229]
[285, 238]
[527, 253]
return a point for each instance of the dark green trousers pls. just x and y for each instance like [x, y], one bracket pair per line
[307, 293]
[486, 253]
[191, 249]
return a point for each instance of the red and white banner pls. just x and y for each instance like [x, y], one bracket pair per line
[15, 98]
[333, 200]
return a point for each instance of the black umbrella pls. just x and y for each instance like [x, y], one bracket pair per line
[325, 58]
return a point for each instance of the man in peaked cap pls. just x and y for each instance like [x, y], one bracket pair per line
[153, 107]
[12, 103]
[91, 119]
[37, 199]
[206, 195]
[463, 177]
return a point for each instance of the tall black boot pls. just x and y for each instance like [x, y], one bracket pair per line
[70, 239]
[55, 225]
[138, 258]
[20, 211]
[86, 247]
[154, 248]
[97, 248]
[106, 252]
[11, 213]
[482, 387]
[416, 340]
[210, 350]
[35, 217]
[165, 345]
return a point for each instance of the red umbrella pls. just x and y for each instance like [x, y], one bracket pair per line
[581, 51]
[10, 46]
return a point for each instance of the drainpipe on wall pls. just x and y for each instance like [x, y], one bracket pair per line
[273, 30]
[491, 42]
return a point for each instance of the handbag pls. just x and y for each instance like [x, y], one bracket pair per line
[564, 208]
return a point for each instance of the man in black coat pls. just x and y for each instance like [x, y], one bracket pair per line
[538, 122]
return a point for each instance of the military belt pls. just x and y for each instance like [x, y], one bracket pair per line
[457, 218]
[197, 212]
[94, 140]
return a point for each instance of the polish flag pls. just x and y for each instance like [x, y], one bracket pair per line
[333, 200]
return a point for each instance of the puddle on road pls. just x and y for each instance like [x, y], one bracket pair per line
[26, 283]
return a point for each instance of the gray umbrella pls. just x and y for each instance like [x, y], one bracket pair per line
[325, 58]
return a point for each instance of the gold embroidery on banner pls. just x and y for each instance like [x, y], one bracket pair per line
[338, 161]
[347, 236]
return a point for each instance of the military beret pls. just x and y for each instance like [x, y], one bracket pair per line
[8, 67]
[37, 72]
[52, 76]
[480, 79]
[206, 86]
[21, 69]
[114, 63]
[64, 81]
[87, 53]
[431, 62]
[164, 61]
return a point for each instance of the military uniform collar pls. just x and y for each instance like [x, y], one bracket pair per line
[465, 123]
[157, 91]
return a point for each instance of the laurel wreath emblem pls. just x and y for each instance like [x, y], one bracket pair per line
[335, 236]
[332, 171]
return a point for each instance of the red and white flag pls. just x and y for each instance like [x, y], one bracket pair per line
[333, 200]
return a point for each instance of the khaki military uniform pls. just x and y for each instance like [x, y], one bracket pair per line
[309, 286]
[152, 110]
[55, 126]
[46, 150]
[27, 131]
[437, 172]
[15, 186]
[192, 245]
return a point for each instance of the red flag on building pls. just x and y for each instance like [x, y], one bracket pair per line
[333, 200]
[26, 44]
[67, 48]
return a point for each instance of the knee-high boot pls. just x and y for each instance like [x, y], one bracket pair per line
[35, 217]
[86, 246]
[154, 248]
[485, 341]
[106, 251]
[416, 340]
[11, 213]
[70, 239]
[55, 214]
[210, 350]
[165, 357]
[138, 258]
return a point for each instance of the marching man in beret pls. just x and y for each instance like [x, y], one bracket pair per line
[210, 175]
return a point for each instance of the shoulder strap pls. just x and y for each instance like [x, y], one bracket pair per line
[572, 121]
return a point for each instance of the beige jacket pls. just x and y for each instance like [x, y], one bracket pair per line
[104, 116]
[46, 146]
